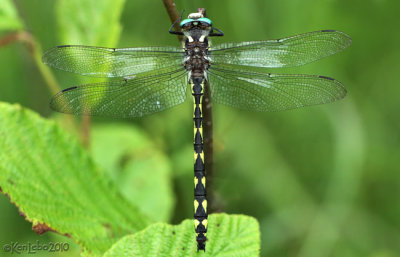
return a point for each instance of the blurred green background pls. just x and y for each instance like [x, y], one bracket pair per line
[322, 181]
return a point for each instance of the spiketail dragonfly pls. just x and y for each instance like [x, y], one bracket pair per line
[153, 79]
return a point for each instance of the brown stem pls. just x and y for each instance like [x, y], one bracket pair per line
[36, 52]
[85, 131]
[202, 11]
[11, 38]
[173, 14]
[208, 147]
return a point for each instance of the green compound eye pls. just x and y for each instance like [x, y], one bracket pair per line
[206, 20]
[185, 21]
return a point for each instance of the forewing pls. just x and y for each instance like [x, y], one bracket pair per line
[136, 97]
[292, 51]
[111, 62]
[271, 92]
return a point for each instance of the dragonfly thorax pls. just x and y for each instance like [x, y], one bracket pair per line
[196, 57]
[196, 34]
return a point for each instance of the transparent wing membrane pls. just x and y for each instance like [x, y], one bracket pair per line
[155, 78]
[292, 51]
[270, 92]
[111, 62]
[143, 95]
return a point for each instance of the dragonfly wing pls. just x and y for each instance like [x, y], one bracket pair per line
[287, 52]
[136, 97]
[111, 62]
[271, 92]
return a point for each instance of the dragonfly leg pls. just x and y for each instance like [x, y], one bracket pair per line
[171, 31]
[219, 34]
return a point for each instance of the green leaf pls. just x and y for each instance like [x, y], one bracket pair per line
[56, 185]
[141, 171]
[228, 235]
[9, 19]
[89, 22]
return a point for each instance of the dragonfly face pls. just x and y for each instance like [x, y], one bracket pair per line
[201, 22]
[153, 79]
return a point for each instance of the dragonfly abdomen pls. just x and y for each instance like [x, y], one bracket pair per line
[200, 201]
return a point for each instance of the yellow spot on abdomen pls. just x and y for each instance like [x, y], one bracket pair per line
[204, 204]
[202, 156]
[196, 223]
[196, 205]
[205, 223]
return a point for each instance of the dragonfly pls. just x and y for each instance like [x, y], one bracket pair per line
[153, 79]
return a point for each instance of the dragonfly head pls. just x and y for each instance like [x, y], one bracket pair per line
[196, 27]
[201, 23]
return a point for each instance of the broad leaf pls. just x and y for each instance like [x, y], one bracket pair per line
[228, 236]
[141, 170]
[89, 22]
[55, 184]
[9, 19]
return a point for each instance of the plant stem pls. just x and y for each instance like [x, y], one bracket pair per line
[208, 145]
[173, 14]
[11, 38]
[85, 130]
[36, 52]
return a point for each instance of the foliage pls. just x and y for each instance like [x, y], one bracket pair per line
[62, 190]
[9, 19]
[92, 22]
[230, 236]
[142, 172]
[54, 183]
